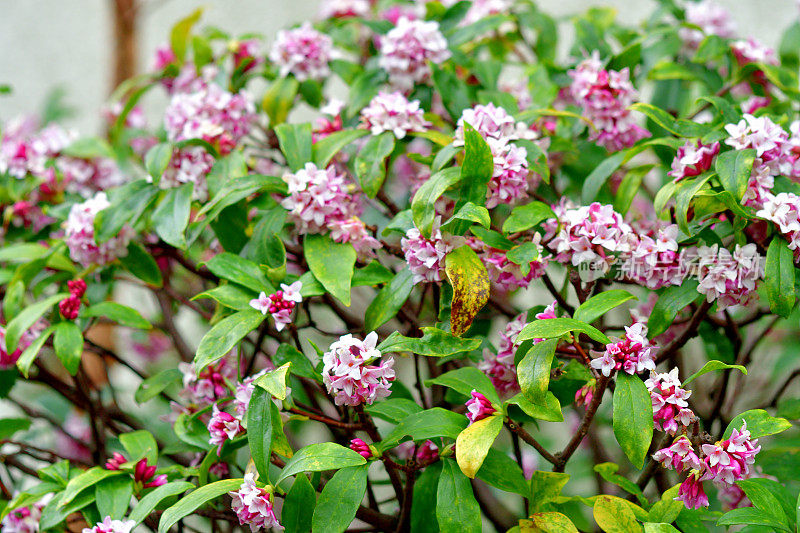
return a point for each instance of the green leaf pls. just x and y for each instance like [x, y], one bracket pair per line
[155, 384]
[301, 366]
[759, 423]
[274, 381]
[87, 479]
[765, 494]
[614, 515]
[501, 471]
[68, 345]
[298, 507]
[394, 409]
[474, 443]
[546, 487]
[558, 327]
[157, 160]
[339, 499]
[524, 217]
[533, 371]
[685, 191]
[259, 430]
[711, 366]
[279, 98]
[389, 300]
[549, 410]
[423, 208]
[10, 426]
[423, 503]
[320, 457]
[148, 504]
[428, 424]
[113, 495]
[295, 141]
[779, 277]
[523, 255]
[370, 163]
[608, 471]
[127, 204]
[595, 180]
[332, 264]
[88, 148]
[650, 527]
[224, 336]
[179, 35]
[464, 380]
[230, 295]
[470, 281]
[27, 357]
[27, 318]
[453, 91]
[752, 516]
[142, 265]
[734, 168]
[469, 212]
[476, 172]
[140, 444]
[434, 342]
[121, 314]
[600, 304]
[680, 128]
[324, 149]
[667, 509]
[633, 417]
[194, 500]
[171, 216]
[671, 301]
[240, 271]
[457, 511]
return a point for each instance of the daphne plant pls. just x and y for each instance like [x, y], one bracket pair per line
[500, 282]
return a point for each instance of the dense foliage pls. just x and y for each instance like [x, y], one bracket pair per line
[498, 282]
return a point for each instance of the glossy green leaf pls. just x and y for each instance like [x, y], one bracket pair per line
[224, 336]
[121, 314]
[533, 371]
[464, 380]
[423, 208]
[711, 366]
[150, 501]
[241, 271]
[320, 457]
[113, 495]
[671, 301]
[155, 384]
[324, 149]
[68, 345]
[633, 417]
[734, 168]
[140, 444]
[389, 300]
[157, 160]
[558, 327]
[476, 171]
[171, 216]
[428, 424]
[194, 500]
[600, 304]
[614, 515]
[295, 143]
[299, 505]
[274, 381]
[524, 217]
[434, 342]
[27, 318]
[87, 479]
[332, 264]
[457, 511]
[779, 277]
[279, 98]
[339, 500]
[370, 163]
[759, 423]
[259, 430]
[29, 354]
[142, 265]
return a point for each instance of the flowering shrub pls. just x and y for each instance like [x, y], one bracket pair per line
[491, 286]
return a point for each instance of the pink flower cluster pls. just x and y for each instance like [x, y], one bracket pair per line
[693, 159]
[86, 176]
[212, 114]
[281, 304]
[480, 9]
[393, 112]
[361, 448]
[144, 475]
[478, 407]
[190, 164]
[25, 519]
[320, 201]
[729, 278]
[589, 234]
[222, 427]
[633, 353]
[31, 334]
[425, 256]
[344, 8]
[25, 150]
[656, 262]
[752, 51]
[406, 50]
[348, 374]
[80, 234]
[671, 412]
[500, 367]
[604, 95]
[210, 385]
[253, 506]
[69, 306]
[507, 275]
[246, 54]
[111, 526]
[711, 18]
[783, 209]
[303, 52]
[769, 140]
[723, 463]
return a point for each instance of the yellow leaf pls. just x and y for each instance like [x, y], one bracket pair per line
[614, 515]
[550, 522]
[471, 287]
[474, 443]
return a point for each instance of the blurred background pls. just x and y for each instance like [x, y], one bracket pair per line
[74, 45]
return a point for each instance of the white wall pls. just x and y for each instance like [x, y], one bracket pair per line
[44, 43]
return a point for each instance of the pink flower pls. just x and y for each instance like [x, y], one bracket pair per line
[691, 493]
[303, 52]
[753, 51]
[69, 307]
[500, 367]
[508, 276]
[246, 54]
[769, 140]
[190, 164]
[253, 506]
[211, 114]
[655, 261]
[344, 8]
[222, 427]
[509, 182]
[354, 231]
[361, 448]
[348, 374]
[77, 287]
[491, 121]
[87, 176]
[111, 526]
[730, 279]
[164, 57]
[692, 160]
[585, 395]
[210, 385]
[605, 96]
[80, 234]
[406, 50]
[25, 519]
[427, 452]
[281, 304]
[679, 456]
[633, 353]
[712, 19]
[478, 407]
[317, 197]
[730, 460]
[393, 112]
[783, 209]
[670, 408]
[425, 256]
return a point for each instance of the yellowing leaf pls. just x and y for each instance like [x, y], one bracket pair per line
[471, 287]
[614, 515]
[274, 382]
[550, 522]
[473, 444]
